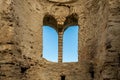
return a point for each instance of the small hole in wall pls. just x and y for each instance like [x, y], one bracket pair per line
[63, 77]
[91, 70]
[31, 47]
[10, 43]
[23, 69]
[108, 45]
[31, 34]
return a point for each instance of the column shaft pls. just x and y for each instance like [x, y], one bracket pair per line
[60, 46]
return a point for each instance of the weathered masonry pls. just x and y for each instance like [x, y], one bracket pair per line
[21, 46]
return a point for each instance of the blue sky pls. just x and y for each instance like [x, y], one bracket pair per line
[70, 44]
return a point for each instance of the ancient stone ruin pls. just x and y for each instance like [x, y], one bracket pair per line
[21, 23]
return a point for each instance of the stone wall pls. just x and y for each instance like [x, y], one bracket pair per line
[21, 24]
[110, 61]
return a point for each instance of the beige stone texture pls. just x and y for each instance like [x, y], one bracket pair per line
[21, 23]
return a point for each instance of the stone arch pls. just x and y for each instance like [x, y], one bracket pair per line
[49, 20]
[71, 20]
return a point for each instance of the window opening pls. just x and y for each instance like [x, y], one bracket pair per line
[70, 44]
[50, 44]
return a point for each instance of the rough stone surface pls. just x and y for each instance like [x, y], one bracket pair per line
[21, 24]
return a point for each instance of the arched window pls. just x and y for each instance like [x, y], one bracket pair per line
[50, 44]
[70, 44]
[60, 42]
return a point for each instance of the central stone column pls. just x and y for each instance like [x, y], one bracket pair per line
[60, 46]
[60, 12]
